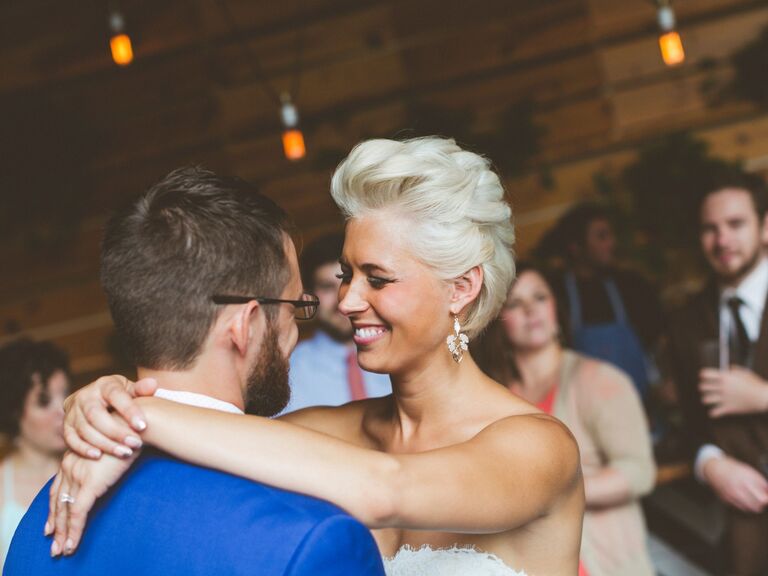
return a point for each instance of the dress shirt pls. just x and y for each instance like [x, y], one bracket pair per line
[195, 399]
[319, 374]
[752, 292]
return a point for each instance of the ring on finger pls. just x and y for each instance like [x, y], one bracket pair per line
[66, 498]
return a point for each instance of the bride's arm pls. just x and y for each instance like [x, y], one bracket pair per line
[510, 473]
[524, 461]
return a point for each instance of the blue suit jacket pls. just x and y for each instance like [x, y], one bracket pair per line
[167, 517]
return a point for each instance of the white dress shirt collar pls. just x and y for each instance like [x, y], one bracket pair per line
[753, 288]
[195, 399]
[752, 292]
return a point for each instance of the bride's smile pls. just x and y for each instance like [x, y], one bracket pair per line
[367, 334]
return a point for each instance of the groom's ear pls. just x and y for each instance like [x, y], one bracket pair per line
[246, 327]
[465, 289]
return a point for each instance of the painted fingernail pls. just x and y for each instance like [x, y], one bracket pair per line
[55, 548]
[68, 546]
[47, 529]
[123, 451]
[133, 441]
[139, 424]
[94, 453]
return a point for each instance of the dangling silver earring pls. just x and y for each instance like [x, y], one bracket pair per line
[457, 342]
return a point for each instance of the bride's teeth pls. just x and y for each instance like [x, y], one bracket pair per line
[368, 332]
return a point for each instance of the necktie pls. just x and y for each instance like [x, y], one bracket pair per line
[355, 378]
[740, 345]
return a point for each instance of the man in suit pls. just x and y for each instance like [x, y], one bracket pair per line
[719, 349]
[203, 284]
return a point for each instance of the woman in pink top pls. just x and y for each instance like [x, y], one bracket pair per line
[522, 349]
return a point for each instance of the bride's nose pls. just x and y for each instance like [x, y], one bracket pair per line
[352, 299]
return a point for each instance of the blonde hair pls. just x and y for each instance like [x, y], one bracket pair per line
[453, 198]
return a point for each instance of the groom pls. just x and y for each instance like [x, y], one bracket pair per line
[166, 261]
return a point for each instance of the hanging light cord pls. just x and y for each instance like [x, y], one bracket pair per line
[253, 62]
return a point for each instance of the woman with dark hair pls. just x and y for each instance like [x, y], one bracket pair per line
[34, 380]
[522, 349]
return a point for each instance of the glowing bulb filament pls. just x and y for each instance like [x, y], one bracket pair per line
[293, 144]
[122, 51]
[671, 48]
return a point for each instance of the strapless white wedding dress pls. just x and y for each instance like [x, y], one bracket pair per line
[427, 561]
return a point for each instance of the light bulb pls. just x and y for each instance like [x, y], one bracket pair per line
[293, 144]
[122, 51]
[120, 42]
[671, 48]
[293, 139]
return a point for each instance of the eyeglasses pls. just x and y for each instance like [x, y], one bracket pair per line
[304, 309]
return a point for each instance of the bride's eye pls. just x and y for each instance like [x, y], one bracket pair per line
[377, 282]
[345, 277]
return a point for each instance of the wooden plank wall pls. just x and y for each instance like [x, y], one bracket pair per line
[591, 67]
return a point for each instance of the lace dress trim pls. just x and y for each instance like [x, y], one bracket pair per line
[426, 561]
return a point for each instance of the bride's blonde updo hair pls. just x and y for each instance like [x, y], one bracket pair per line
[453, 200]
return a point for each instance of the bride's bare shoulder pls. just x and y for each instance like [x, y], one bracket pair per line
[343, 421]
[534, 436]
[510, 421]
[531, 422]
[509, 412]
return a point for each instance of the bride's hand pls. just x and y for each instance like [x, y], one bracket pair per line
[74, 490]
[89, 427]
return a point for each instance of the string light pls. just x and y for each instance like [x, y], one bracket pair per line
[293, 138]
[671, 48]
[670, 43]
[120, 42]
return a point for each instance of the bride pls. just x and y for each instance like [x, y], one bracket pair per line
[451, 469]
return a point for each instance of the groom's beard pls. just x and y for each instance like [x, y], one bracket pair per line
[267, 391]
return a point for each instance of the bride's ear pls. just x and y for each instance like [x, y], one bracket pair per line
[246, 327]
[465, 289]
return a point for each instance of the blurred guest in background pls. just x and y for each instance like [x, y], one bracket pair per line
[324, 369]
[34, 380]
[598, 403]
[613, 313]
[719, 349]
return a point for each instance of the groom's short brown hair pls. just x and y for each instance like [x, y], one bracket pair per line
[192, 235]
